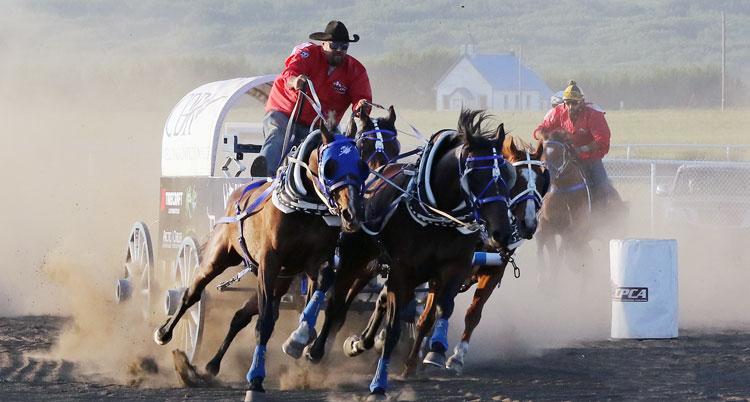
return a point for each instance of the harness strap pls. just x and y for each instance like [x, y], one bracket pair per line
[242, 215]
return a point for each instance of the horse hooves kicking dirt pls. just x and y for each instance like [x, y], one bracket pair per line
[187, 375]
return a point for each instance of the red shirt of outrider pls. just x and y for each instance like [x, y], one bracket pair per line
[590, 126]
[347, 84]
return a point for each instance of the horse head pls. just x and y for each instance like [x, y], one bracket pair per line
[339, 173]
[376, 139]
[558, 153]
[484, 176]
[532, 183]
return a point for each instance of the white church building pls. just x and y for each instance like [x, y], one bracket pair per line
[490, 81]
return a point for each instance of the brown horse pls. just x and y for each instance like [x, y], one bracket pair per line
[285, 237]
[461, 174]
[567, 206]
[377, 142]
[531, 185]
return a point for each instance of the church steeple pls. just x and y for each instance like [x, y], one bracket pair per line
[467, 48]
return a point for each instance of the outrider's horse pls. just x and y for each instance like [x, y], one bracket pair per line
[378, 144]
[429, 233]
[531, 185]
[567, 205]
[286, 227]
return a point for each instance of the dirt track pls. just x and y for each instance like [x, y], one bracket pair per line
[699, 365]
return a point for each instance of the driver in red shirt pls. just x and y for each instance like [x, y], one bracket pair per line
[338, 79]
[589, 137]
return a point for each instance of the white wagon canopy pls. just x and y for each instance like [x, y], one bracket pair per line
[191, 134]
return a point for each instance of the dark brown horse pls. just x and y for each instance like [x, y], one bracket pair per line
[568, 204]
[461, 174]
[285, 237]
[378, 144]
[531, 184]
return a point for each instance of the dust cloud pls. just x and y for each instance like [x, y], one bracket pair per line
[562, 306]
[81, 164]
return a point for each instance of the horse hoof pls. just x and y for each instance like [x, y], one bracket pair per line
[293, 348]
[310, 356]
[350, 348]
[436, 359]
[377, 395]
[212, 368]
[162, 337]
[454, 365]
[255, 396]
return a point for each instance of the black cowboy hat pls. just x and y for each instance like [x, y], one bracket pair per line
[335, 32]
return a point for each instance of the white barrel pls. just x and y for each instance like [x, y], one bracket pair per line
[644, 288]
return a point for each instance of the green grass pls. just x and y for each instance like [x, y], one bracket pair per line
[628, 126]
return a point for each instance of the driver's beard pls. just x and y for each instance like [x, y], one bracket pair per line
[335, 60]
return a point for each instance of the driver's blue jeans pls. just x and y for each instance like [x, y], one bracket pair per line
[274, 130]
[596, 172]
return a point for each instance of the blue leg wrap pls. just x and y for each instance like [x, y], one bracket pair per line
[310, 314]
[440, 335]
[381, 375]
[258, 368]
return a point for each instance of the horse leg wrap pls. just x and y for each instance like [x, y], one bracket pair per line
[258, 368]
[295, 344]
[440, 336]
[310, 314]
[380, 381]
[456, 361]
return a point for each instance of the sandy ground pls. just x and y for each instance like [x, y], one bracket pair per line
[80, 150]
[699, 365]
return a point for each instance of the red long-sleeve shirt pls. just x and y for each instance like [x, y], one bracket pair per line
[347, 84]
[591, 126]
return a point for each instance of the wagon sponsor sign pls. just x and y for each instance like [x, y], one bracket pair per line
[191, 134]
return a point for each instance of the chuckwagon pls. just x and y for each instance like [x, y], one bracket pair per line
[204, 159]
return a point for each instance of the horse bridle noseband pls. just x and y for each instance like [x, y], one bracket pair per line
[531, 191]
[566, 158]
[377, 135]
[477, 201]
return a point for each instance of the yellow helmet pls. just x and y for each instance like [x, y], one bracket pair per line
[572, 92]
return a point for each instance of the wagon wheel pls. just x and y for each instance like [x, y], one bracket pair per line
[139, 263]
[189, 330]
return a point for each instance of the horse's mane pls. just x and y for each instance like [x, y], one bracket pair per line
[331, 122]
[470, 125]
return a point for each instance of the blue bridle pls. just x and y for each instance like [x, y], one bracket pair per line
[376, 135]
[478, 200]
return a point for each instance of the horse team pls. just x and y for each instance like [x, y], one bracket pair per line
[472, 188]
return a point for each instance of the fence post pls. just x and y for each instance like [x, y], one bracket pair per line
[653, 194]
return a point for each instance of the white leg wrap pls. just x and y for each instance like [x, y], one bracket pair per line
[460, 351]
[302, 334]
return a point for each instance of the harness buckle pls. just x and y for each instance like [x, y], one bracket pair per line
[384, 269]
